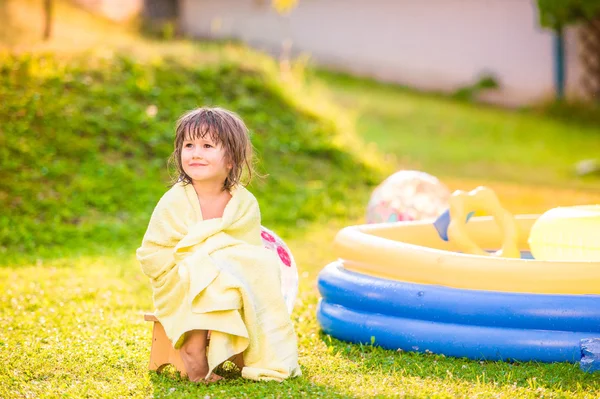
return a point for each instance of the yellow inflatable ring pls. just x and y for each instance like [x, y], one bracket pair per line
[481, 199]
[567, 234]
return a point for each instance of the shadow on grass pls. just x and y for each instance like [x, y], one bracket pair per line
[552, 376]
[66, 255]
[170, 383]
[580, 114]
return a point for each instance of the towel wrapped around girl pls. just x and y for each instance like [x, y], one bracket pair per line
[215, 275]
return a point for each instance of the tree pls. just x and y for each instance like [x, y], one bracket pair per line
[556, 15]
[48, 8]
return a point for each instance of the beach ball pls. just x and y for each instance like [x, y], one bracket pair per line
[407, 195]
[567, 234]
[289, 272]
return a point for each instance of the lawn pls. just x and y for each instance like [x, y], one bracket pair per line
[74, 328]
[86, 154]
[456, 138]
[528, 156]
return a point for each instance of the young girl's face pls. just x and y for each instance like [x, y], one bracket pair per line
[204, 161]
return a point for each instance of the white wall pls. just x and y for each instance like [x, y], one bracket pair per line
[117, 10]
[431, 44]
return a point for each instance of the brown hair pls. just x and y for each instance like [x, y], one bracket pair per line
[223, 127]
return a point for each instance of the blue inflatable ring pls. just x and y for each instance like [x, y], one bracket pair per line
[476, 324]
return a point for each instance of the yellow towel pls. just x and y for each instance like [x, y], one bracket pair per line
[216, 275]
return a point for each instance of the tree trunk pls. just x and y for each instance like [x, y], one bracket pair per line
[589, 37]
[48, 19]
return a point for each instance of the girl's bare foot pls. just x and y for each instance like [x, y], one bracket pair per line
[213, 378]
[197, 369]
[193, 354]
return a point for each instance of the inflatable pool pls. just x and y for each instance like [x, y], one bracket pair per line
[402, 286]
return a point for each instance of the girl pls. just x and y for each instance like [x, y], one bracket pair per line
[204, 256]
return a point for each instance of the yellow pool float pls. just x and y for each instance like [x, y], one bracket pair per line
[567, 234]
[481, 199]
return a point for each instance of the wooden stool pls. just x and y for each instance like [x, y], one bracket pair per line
[162, 352]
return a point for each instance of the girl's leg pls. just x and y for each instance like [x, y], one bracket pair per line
[193, 354]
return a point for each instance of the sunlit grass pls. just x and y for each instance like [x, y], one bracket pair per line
[72, 314]
[450, 138]
[74, 328]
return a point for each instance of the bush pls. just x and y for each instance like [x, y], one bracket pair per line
[556, 14]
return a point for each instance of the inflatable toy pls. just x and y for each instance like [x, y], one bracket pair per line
[407, 195]
[403, 286]
[567, 233]
[463, 204]
[289, 272]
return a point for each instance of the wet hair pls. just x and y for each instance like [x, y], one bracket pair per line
[224, 128]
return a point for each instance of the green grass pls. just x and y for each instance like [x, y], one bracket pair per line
[82, 156]
[74, 328]
[82, 130]
[450, 138]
